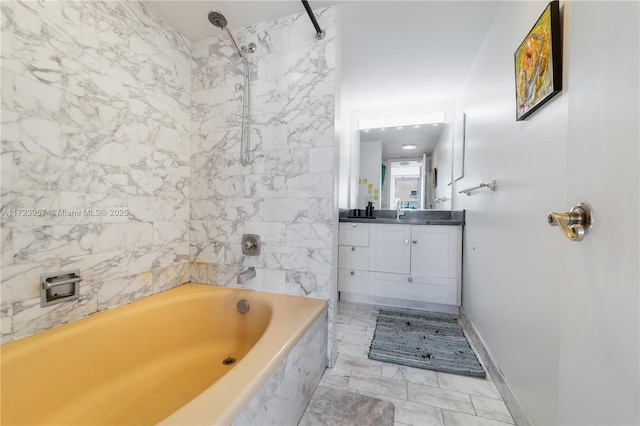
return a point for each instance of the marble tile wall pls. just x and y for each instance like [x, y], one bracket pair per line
[96, 100]
[286, 194]
[286, 393]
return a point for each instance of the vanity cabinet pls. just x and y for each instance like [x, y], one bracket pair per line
[353, 258]
[416, 263]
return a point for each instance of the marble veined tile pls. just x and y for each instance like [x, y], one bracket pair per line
[409, 374]
[297, 210]
[33, 171]
[310, 235]
[375, 384]
[490, 408]
[285, 258]
[307, 284]
[37, 244]
[123, 290]
[470, 385]
[455, 418]
[315, 185]
[319, 260]
[361, 365]
[442, 398]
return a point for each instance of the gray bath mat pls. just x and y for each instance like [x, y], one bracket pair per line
[424, 340]
[331, 406]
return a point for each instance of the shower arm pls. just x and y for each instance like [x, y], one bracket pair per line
[239, 51]
[319, 32]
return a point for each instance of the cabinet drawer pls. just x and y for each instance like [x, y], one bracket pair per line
[353, 234]
[353, 281]
[353, 257]
[415, 287]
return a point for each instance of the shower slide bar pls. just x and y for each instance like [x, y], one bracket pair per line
[319, 32]
[491, 185]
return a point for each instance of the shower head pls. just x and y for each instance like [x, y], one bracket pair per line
[220, 21]
[217, 19]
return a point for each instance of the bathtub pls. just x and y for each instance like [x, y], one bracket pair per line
[161, 360]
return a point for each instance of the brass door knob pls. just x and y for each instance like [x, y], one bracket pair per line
[575, 223]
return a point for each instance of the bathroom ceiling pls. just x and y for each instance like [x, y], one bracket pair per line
[424, 137]
[394, 53]
[190, 17]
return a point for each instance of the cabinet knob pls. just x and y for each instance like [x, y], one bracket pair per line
[415, 241]
[410, 279]
[353, 249]
[353, 225]
[353, 273]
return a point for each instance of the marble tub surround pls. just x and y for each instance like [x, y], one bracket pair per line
[286, 193]
[286, 393]
[96, 123]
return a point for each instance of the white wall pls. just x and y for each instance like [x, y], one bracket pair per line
[559, 317]
[442, 160]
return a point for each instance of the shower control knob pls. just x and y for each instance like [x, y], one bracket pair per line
[251, 244]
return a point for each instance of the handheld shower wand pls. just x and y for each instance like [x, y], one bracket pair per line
[220, 21]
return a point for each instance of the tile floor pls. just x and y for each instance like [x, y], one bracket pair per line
[421, 397]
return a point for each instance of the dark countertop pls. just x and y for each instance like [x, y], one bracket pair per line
[411, 217]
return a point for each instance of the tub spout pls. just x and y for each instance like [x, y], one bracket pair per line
[245, 275]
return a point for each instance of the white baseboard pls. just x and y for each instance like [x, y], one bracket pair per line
[512, 402]
[398, 303]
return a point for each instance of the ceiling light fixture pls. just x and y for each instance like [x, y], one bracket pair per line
[409, 146]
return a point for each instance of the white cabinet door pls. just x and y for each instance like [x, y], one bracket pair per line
[435, 251]
[390, 248]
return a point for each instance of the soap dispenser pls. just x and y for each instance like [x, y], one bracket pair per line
[369, 209]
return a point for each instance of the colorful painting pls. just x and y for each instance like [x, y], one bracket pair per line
[538, 63]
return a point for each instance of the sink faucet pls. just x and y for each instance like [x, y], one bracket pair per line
[399, 210]
[245, 275]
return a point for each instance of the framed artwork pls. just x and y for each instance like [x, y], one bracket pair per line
[538, 63]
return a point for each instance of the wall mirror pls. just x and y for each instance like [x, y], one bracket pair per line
[401, 162]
